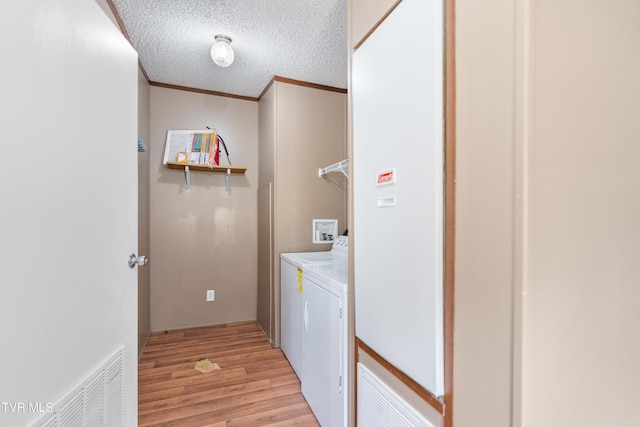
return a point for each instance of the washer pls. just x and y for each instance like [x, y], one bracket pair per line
[325, 370]
[291, 293]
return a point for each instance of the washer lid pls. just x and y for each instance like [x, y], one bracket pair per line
[339, 253]
[300, 259]
[335, 276]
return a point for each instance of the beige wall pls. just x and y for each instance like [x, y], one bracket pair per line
[203, 239]
[267, 125]
[144, 273]
[308, 132]
[367, 14]
[546, 236]
[267, 122]
[484, 258]
[582, 282]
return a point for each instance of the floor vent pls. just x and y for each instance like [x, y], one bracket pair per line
[96, 401]
[379, 406]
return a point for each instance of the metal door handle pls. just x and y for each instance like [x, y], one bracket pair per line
[137, 260]
[306, 315]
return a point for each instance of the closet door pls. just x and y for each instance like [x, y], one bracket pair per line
[397, 89]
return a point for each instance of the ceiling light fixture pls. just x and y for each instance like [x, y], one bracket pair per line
[221, 51]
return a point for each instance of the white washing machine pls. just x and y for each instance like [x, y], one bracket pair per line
[325, 359]
[291, 292]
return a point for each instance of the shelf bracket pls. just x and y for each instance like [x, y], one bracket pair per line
[341, 166]
[227, 178]
[187, 175]
[188, 167]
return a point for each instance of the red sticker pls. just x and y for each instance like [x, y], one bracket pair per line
[386, 177]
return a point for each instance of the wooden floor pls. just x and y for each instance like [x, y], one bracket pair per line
[255, 385]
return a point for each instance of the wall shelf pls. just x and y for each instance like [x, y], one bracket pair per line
[188, 167]
[205, 168]
[342, 166]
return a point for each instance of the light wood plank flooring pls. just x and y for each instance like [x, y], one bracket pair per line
[255, 385]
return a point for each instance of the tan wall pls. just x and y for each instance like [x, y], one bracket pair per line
[309, 132]
[546, 236]
[484, 258]
[144, 273]
[366, 14]
[267, 125]
[203, 239]
[581, 314]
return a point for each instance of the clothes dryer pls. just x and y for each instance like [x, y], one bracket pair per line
[325, 366]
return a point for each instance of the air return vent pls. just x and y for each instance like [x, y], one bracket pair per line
[379, 406]
[96, 401]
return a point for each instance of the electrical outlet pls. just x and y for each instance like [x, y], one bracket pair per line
[211, 295]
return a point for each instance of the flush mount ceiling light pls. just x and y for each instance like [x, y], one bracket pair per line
[221, 51]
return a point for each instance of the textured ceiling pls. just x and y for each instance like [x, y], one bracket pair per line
[297, 39]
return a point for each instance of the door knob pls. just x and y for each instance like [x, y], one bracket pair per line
[137, 260]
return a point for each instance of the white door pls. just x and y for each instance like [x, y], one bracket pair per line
[68, 191]
[398, 223]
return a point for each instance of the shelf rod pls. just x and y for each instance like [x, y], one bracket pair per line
[227, 178]
[187, 174]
